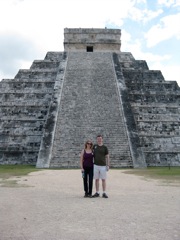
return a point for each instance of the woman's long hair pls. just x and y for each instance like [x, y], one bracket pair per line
[86, 143]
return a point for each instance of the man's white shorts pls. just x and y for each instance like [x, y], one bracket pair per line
[100, 172]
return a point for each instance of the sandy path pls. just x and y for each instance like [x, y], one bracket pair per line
[51, 207]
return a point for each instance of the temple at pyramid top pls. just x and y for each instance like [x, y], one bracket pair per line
[92, 40]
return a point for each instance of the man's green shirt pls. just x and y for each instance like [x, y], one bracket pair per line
[99, 155]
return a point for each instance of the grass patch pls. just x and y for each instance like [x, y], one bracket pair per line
[164, 173]
[10, 171]
[7, 171]
[8, 183]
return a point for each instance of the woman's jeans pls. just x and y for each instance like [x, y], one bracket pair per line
[88, 180]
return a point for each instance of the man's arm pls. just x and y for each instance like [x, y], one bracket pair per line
[107, 160]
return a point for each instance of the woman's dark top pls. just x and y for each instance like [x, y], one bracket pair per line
[87, 160]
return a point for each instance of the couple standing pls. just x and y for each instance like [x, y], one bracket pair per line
[94, 161]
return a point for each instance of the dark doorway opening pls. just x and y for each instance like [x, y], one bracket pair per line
[89, 49]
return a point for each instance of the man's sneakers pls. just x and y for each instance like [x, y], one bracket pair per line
[97, 195]
[105, 195]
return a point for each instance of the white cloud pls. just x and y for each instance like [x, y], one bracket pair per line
[169, 3]
[149, 15]
[14, 50]
[135, 48]
[166, 29]
[42, 23]
[143, 15]
[177, 3]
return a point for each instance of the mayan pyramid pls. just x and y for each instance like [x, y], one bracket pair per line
[47, 112]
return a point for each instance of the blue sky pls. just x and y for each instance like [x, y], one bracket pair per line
[31, 28]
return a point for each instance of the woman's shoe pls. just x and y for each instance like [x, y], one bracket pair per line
[86, 195]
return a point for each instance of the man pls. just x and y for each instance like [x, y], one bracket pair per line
[101, 165]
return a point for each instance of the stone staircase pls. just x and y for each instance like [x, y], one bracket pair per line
[89, 105]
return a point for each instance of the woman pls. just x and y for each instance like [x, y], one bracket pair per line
[86, 163]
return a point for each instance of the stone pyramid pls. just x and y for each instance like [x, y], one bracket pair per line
[48, 111]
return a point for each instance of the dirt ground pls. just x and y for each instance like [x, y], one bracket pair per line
[49, 205]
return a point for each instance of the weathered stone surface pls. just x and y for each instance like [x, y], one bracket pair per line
[47, 112]
[155, 106]
[93, 40]
[89, 105]
[24, 108]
